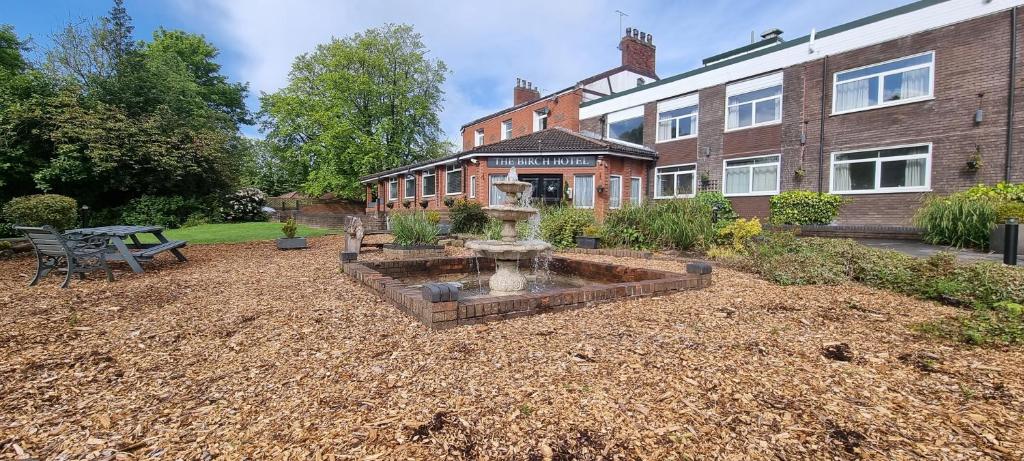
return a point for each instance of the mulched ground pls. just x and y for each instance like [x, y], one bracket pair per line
[246, 351]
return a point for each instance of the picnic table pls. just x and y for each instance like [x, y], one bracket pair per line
[137, 252]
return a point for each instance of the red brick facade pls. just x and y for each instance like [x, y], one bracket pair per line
[971, 72]
[563, 111]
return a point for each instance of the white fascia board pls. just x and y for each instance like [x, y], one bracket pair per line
[927, 18]
[625, 114]
[682, 101]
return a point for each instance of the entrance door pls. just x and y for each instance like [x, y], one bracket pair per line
[547, 188]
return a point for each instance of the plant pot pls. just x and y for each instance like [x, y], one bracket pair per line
[996, 236]
[590, 243]
[296, 243]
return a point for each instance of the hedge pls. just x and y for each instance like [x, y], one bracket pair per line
[801, 207]
[43, 209]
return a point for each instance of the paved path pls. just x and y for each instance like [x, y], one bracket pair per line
[924, 250]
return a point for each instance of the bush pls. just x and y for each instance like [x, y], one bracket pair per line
[246, 205]
[44, 209]
[467, 217]
[289, 228]
[679, 224]
[1006, 210]
[802, 207]
[168, 212]
[1001, 191]
[434, 217]
[7, 230]
[958, 220]
[560, 226]
[410, 229]
[738, 233]
[713, 199]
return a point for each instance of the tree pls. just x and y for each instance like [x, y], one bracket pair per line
[266, 167]
[89, 51]
[358, 105]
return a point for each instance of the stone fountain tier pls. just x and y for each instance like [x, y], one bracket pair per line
[500, 249]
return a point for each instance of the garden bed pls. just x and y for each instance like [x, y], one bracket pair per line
[247, 351]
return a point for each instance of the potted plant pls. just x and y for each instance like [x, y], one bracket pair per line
[591, 237]
[800, 173]
[975, 162]
[424, 203]
[705, 179]
[290, 241]
[449, 201]
[390, 205]
[407, 203]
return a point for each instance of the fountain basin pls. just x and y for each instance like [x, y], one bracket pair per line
[579, 284]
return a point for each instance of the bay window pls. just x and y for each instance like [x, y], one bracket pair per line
[393, 188]
[675, 181]
[453, 179]
[635, 190]
[583, 191]
[889, 83]
[894, 169]
[752, 176]
[429, 183]
[626, 125]
[410, 186]
[677, 118]
[754, 102]
[615, 191]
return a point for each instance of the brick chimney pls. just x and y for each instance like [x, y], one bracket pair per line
[524, 92]
[638, 50]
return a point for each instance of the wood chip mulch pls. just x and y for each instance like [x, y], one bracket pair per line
[246, 351]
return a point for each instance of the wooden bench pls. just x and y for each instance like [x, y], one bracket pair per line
[150, 251]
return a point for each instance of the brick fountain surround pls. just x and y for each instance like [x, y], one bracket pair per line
[608, 282]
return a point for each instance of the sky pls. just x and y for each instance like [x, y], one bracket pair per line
[485, 44]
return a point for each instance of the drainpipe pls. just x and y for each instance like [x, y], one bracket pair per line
[821, 127]
[1010, 97]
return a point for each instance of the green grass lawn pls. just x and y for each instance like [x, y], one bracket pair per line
[232, 233]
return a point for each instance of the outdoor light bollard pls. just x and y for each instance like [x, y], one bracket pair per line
[1010, 242]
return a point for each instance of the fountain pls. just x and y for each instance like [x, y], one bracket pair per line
[507, 252]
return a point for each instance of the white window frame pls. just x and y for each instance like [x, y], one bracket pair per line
[506, 129]
[618, 116]
[472, 186]
[657, 179]
[478, 137]
[593, 190]
[750, 86]
[750, 186]
[640, 190]
[881, 83]
[491, 178]
[538, 115]
[927, 187]
[423, 182]
[448, 170]
[678, 103]
[393, 189]
[406, 188]
[611, 192]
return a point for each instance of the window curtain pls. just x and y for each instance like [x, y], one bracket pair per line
[852, 95]
[665, 129]
[737, 180]
[765, 178]
[583, 191]
[915, 83]
[734, 116]
[915, 172]
[841, 177]
[497, 197]
[615, 192]
[634, 191]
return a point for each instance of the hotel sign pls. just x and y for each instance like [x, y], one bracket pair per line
[543, 161]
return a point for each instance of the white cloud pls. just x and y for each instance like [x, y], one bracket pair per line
[487, 45]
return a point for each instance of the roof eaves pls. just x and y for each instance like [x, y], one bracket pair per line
[519, 106]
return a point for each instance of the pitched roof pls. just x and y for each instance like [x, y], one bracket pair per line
[551, 140]
[520, 105]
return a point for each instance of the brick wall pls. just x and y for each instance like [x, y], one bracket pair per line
[563, 111]
[971, 72]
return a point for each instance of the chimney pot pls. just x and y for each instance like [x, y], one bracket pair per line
[643, 36]
[636, 33]
[650, 38]
[629, 30]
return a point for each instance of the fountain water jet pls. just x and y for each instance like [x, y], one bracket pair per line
[507, 279]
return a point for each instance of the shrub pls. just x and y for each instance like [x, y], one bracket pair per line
[196, 219]
[434, 217]
[737, 233]
[44, 209]
[1006, 210]
[713, 199]
[783, 258]
[7, 229]
[289, 228]
[679, 224]
[560, 226]
[1001, 191]
[804, 207]
[467, 217]
[246, 205]
[958, 220]
[410, 229]
[170, 212]
[593, 230]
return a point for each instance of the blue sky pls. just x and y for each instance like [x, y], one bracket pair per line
[485, 44]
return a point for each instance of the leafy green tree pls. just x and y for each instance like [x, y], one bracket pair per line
[358, 105]
[266, 167]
